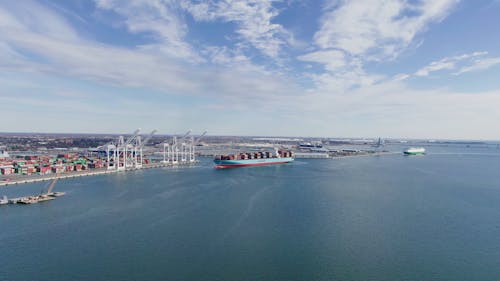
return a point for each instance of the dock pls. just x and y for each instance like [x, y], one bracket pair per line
[93, 172]
[33, 199]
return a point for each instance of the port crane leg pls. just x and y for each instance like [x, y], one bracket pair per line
[183, 152]
[128, 149]
[191, 150]
[165, 151]
[111, 156]
[175, 151]
[193, 145]
[183, 146]
[139, 157]
[120, 154]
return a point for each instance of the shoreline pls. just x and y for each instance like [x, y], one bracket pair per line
[94, 172]
[103, 171]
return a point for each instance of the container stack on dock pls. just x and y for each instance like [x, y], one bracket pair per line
[44, 164]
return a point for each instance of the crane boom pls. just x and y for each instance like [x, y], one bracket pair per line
[143, 142]
[199, 138]
[51, 187]
[133, 137]
[185, 135]
[104, 145]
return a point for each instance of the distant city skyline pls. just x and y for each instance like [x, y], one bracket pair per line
[391, 69]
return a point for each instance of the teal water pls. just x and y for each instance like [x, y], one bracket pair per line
[435, 217]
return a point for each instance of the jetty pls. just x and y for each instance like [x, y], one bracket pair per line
[32, 199]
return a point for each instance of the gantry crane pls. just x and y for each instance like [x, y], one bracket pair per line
[183, 147]
[139, 158]
[171, 150]
[129, 148]
[193, 145]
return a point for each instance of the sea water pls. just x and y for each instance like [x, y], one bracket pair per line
[390, 217]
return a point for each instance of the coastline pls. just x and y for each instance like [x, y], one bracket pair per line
[93, 172]
[102, 171]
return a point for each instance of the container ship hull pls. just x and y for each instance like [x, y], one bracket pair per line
[260, 158]
[222, 164]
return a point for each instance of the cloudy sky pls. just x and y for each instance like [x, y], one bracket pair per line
[388, 68]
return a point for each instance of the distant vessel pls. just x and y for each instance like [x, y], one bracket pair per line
[253, 159]
[380, 143]
[56, 194]
[35, 199]
[414, 151]
[310, 145]
[4, 200]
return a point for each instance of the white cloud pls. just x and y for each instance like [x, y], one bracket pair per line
[129, 67]
[344, 82]
[448, 63]
[225, 56]
[253, 19]
[332, 59]
[22, 18]
[379, 28]
[354, 32]
[346, 100]
[480, 64]
[159, 18]
[435, 66]
[392, 109]
[400, 77]
[465, 63]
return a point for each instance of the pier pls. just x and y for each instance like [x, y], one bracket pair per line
[33, 199]
[93, 172]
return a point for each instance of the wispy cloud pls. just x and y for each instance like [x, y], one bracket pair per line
[158, 18]
[332, 59]
[353, 33]
[172, 75]
[378, 29]
[254, 20]
[71, 55]
[479, 64]
[24, 18]
[475, 61]
[448, 63]
[390, 104]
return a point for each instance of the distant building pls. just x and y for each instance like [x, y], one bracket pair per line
[4, 154]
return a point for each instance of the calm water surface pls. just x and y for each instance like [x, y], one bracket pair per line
[435, 217]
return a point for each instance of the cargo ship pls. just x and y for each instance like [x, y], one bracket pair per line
[253, 159]
[414, 151]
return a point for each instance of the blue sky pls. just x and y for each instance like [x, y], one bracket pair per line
[388, 68]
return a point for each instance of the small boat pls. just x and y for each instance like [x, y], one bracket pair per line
[42, 197]
[414, 151]
[4, 200]
[310, 145]
[34, 199]
[56, 194]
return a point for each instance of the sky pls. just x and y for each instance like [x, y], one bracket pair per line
[332, 68]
